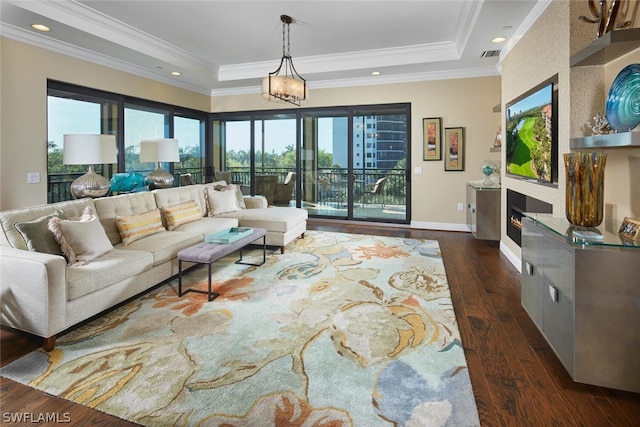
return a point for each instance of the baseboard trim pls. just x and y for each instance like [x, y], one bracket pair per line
[356, 222]
[441, 226]
[512, 257]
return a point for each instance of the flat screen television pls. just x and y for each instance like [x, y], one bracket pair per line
[532, 134]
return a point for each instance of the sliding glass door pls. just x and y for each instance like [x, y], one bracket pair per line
[275, 156]
[380, 152]
[324, 163]
[341, 163]
[354, 163]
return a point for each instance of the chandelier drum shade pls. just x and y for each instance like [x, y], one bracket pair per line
[89, 149]
[159, 150]
[285, 84]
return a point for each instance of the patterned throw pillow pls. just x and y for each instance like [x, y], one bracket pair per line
[219, 202]
[181, 213]
[135, 227]
[81, 241]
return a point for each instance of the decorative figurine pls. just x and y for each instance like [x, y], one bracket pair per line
[606, 20]
[600, 125]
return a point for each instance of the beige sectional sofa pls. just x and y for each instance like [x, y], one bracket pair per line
[44, 295]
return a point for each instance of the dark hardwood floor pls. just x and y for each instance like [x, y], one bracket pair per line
[517, 379]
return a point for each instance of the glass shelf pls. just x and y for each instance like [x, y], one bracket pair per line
[581, 235]
[480, 185]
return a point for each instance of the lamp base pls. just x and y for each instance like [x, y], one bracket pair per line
[90, 185]
[159, 178]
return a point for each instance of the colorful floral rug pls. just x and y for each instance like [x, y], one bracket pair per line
[341, 330]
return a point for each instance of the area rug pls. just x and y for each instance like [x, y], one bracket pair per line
[341, 330]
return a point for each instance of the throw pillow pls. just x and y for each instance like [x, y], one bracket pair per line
[37, 236]
[232, 187]
[135, 227]
[81, 241]
[181, 213]
[219, 202]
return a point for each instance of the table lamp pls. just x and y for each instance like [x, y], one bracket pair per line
[159, 150]
[89, 149]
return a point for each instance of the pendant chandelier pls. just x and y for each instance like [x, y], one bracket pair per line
[285, 84]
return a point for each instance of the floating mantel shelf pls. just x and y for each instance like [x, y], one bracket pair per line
[622, 139]
[607, 48]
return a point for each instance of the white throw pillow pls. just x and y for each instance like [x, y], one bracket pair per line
[81, 241]
[219, 202]
[239, 196]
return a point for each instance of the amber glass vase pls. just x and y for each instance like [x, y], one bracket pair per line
[585, 188]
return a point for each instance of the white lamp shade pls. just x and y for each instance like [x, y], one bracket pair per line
[282, 86]
[159, 150]
[89, 149]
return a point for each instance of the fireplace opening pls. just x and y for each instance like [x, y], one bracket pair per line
[516, 218]
[518, 205]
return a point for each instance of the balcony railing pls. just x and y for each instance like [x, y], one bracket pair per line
[59, 184]
[395, 192]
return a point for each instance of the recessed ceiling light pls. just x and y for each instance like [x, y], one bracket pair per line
[375, 73]
[498, 40]
[40, 27]
[176, 73]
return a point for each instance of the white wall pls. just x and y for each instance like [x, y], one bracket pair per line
[23, 106]
[462, 102]
[436, 193]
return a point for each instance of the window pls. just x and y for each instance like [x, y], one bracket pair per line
[141, 123]
[76, 109]
[72, 112]
[190, 133]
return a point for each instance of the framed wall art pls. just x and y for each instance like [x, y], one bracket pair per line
[432, 139]
[454, 149]
[629, 229]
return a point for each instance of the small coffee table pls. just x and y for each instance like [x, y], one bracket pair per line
[208, 253]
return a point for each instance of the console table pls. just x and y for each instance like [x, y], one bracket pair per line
[584, 296]
[483, 210]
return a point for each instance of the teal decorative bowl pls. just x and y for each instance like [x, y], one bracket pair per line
[623, 102]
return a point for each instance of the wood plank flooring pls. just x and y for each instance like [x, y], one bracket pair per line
[517, 379]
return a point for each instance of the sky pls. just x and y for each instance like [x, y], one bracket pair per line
[541, 97]
[278, 134]
[67, 116]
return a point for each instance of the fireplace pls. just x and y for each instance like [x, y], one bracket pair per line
[517, 205]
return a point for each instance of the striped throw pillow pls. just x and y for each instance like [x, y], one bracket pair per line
[135, 227]
[181, 213]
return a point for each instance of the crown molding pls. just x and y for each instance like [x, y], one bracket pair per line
[375, 58]
[28, 37]
[83, 18]
[375, 80]
[39, 41]
[468, 18]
